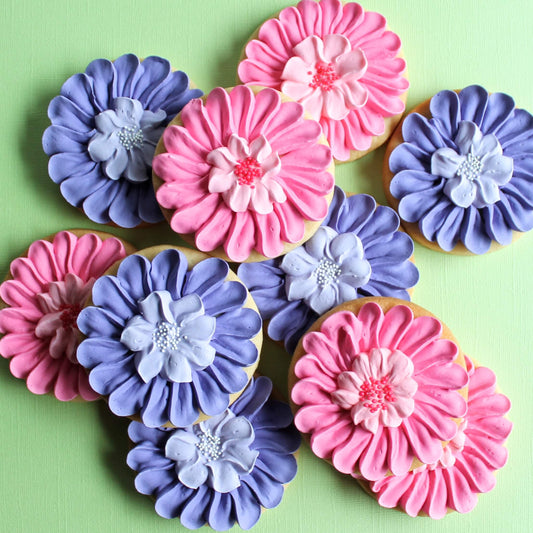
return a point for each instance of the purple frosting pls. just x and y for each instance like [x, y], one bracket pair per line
[105, 125]
[140, 327]
[466, 174]
[264, 429]
[384, 248]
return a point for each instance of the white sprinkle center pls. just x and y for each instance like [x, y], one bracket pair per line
[167, 336]
[470, 168]
[209, 445]
[130, 137]
[326, 272]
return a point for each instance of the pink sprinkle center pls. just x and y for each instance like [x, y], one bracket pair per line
[324, 77]
[247, 171]
[69, 315]
[375, 392]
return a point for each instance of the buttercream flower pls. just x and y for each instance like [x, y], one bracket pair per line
[340, 62]
[468, 462]
[359, 251]
[165, 342]
[462, 175]
[245, 172]
[377, 390]
[47, 290]
[224, 470]
[105, 125]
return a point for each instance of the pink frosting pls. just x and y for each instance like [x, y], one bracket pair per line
[413, 404]
[48, 290]
[360, 76]
[468, 463]
[244, 172]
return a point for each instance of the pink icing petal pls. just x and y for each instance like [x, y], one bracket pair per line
[311, 418]
[331, 16]
[306, 202]
[23, 269]
[48, 324]
[15, 320]
[241, 237]
[460, 497]
[225, 159]
[318, 343]
[88, 248]
[199, 126]
[310, 392]
[488, 449]
[66, 385]
[331, 437]
[441, 427]
[352, 132]
[309, 366]
[281, 36]
[85, 390]
[482, 383]
[346, 455]
[425, 446]
[63, 344]
[371, 27]
[455, 377]
[335, 45]
[448, 401]
[290, 136]
[15, 294]
[276, 193]
[64, 245]
[479, 477]
[496, 427]
[213, 232]
[177, 140]
[438, 352]
[41, 253]
[371, 317]
[352, 17]
[268, 238]
[191, 218]
[489, 406]
[371, 120]
[355, 93]
[293, 24]
[390, 489]
[435, 505]
[18, 343]
[110, 251]
[253, 72]
[423, 330]
[24, 362]
[265, 106]
[373, 460]
[394, 326]
[41, 379]
[413, 500]
[222, 119]
[400, 456]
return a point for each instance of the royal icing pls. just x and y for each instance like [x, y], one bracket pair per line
[467, 464]
[358, 251]
[105, 125]
[377, 390]
[462, 175]
[224, 470]
[244, 172]
[337, 60]
[48, 289]
[166, 342]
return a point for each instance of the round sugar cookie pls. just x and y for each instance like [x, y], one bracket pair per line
[458, 171]
[106, 123]
[244, 174]
[41, 298]
[341, 63]
[378, 386]
[173, 336]
[224, 470]
[358, 251]
[468, 463]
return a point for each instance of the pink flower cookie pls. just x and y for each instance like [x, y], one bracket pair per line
[468, 463]
[376, 383]
[42, 298]
[244, 174]
[341, 63]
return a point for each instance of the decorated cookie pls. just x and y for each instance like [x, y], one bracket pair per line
[245, 175]
[224, 470]
[106, 123]
[173, 336]
[358, 251]
[468, 462]
[377, 385]
[42, 296]
[460, 172]
[341, 63]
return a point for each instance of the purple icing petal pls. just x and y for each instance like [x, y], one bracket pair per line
[194, 511]
[444, 107]
[64, 112]
[58, 139]
[154, 72]
[93, 352]
[126, 194]
[171, 502]
[266, 490]
[499, 109]
[65, 165]
[417, 130]
[155, 402]
[95, 322]
[102, 73]
[473, 101]
[76, 189]
[149, 481]
[106, 378]
[206, 276]
[128, 398]
[109, 293]
[247, 510]
[472, 234]
[182, 409]
[79, 89]
[96, 205]
[408, 181]
[210, 401]
[415, 205]
[496, 225]
[127, 73]
[283, 471]
[134, 275]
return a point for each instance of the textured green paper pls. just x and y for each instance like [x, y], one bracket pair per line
[62, 466]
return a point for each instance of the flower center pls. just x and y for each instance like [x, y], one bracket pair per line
[131, 137]
[326, 272]
[470, 168]
[247, 171]
[209, 445]
[324, 77]
[167, 336]
[375, 392]
[69, 315]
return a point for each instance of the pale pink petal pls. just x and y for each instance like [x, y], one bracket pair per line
[355, 93]
[296, 90]
[298, 72]
[275, 191]
[335, 45]
[351, 64]
[238, 148]
[314, 103]
[225, 158]
[334, 104]
[260, 199]
[260, 150]
[310, 50]
[47, 326]
[238, 198]
[221, 180]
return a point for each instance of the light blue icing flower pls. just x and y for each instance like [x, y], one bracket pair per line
[215, 452]
[327, 270]
[476, 171]
[125, 139]
[170, 337]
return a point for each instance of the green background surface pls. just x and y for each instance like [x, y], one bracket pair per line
[62, 465]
